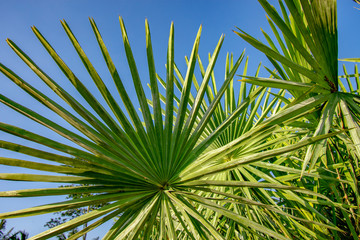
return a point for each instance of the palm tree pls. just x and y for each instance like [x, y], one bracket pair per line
[307, 66]
[197, 166]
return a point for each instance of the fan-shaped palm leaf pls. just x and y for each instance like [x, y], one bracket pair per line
[138, 170]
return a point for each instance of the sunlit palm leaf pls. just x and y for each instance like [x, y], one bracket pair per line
[308, 57]
[136, 168]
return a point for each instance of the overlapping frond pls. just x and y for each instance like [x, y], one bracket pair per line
[305, 56]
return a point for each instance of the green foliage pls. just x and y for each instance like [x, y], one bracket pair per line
[201, 161]
[308, 55]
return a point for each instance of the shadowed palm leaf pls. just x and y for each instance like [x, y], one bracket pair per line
[305, 57]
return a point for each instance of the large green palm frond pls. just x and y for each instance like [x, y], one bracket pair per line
[132, 166]
[147, 167]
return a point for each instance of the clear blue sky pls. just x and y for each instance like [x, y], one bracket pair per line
[216, 16]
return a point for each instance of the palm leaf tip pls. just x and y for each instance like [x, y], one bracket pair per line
[310, 34]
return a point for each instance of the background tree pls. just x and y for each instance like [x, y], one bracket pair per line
[70, 214]
[9, 234]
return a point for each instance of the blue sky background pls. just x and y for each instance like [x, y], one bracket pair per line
[217, 17]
